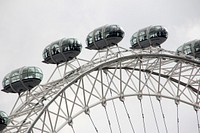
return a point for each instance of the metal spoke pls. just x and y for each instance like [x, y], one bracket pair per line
[163, 116]
[109, 123]
[142, 113]
[198, 124]
[93, 123]
[129, 118]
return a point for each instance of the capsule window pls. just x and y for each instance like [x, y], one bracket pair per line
[89, 38]
[6, 80]
[158, 27]
[112, 31]
[152, 35]
[142, 35]
[197, 49]
[15, 77]
[98, 35]
[120, 32]
[65, 45]
[108, 31]
[152, 32]
[134, 38]
[179, 50]
[71, 44]
[55, 49]
[197, 46]
[38, 73]
[46, 53]
[3, 114]
[134, 41]
[3, 118]
[78, 46]
[25, 73]
[164, 33]
[135, 35]
[68, 45]
[30, 73]
[187, 49]
[158, 31]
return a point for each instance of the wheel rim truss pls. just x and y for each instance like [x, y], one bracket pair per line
[146, 74]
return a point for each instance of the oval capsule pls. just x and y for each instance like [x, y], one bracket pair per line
[149, 36]
[61, 51]
[105, 36]
[191, 48]
[3, 120]
[22, 79]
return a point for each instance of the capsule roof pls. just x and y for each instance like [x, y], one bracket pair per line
[149, 36]
[190, 48]
[61, 51]
[105, 36]
[22, 79]
[3, 120]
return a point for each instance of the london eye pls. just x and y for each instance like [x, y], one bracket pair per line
[118, 90]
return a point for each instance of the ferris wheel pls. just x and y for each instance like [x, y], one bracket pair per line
[142, 89]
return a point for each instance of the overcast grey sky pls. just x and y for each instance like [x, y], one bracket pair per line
[28, 26]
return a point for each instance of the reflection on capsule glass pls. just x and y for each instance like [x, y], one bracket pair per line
[61, 51]
[149, 36]
[104, 36]
[191, 48]
[3, 120]
[22, 79]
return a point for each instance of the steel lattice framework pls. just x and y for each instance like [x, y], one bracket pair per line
[80, 85]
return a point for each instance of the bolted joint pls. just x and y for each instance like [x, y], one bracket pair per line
[70, 122]
[177, 100]
[158, 96]
[87, 110]
[121, 97]
[139, 95]
[103, 102]
[196, 106]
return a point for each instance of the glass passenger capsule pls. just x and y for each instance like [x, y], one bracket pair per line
[149, 36]
[62, 51]
[22, 79]
[104, 36]
[3, 120]
[191, 48]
